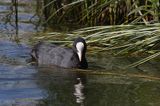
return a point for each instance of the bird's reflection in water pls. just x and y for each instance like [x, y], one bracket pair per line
[63, 86]
[79, 88]
[79, 91]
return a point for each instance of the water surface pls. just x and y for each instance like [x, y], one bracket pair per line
[105, 83]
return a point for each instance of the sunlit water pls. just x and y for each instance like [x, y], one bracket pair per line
[105, 83]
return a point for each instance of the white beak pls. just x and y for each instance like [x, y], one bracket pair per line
[80, 47]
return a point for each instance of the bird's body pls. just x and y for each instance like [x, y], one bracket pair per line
[50, 54]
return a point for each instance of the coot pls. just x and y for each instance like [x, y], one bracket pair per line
[50, 54]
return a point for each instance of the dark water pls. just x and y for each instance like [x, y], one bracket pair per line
[105, 83]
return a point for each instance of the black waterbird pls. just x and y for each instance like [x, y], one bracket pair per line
[50, 54]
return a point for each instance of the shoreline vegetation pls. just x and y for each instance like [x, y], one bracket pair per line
[102, 12]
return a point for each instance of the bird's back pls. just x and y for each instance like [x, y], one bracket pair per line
[50, 54]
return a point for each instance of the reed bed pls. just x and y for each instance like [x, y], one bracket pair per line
[102, 12]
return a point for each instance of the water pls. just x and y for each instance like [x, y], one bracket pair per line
[105, 83]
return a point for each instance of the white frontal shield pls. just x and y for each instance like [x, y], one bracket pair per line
[80, 47]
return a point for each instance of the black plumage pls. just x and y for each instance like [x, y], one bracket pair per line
[50, 54]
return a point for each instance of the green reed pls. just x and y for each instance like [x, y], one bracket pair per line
[102, 12]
